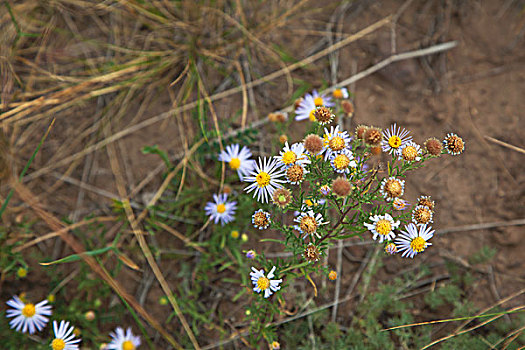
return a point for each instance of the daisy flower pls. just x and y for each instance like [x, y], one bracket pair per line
[335, 141]
[422, 215]
[221, 210]
[343, 162]
[399, 204]
[340, 93]
[238, 160]
[308, 105]
[292, 155]
[414, 240]
[265, 178]
[394, 138]
[27, 316]
[123, 341]
[410, 152]
[454, 144]
[308, 222]
[263, 283]
[382, 226]
[261, 219]
[64, 339]
[296, 174]
[392, 187]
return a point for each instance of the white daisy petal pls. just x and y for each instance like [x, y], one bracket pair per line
[265, 178]
[221, 210]
[28, 317]
[121, 340]
[264, 283]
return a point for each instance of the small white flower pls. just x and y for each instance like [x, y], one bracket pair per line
[261, 219]
[266, 177]
[422, 215]
[123, 341]
[343, 162]
[264, 283]
[307, 106]
[335, 141]
[221, 210]
[238, 160]
[64, 337]
[382, 226]
[340, 93]
[308, 223]
[28, 317]
[400, 204]
[414, 240]
[394, 138]
[293, 155]
[410, 151]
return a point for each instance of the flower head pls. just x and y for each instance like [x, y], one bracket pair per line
[308, 104]
[348, 107]
[399, 204]
[238, 160]
[414, 239]
[275, 345]
[309, 222]
[341, 186]
[323, 115]
[372, 136]
[282, 197]
[410, 152]
[360, 131]
[422, 215]
[311, 253]
[28, 317]
[325, 190]
[343, 162]
[280, 117]
[265, 178]
[434, 146]
[390, 248]
[340, 93]
[332, 276]
[261, 219]
[220, 209]
[296, 174]
[64, 337]
[426, 201]
[392, 187]
[251, 254]
[394, 138]
[264, 283]
[313, 144]
[123, 341]
[335, 141]
[454, 144]
[294, 155]
[382, 226]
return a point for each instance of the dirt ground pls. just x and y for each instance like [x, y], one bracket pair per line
[474, 90]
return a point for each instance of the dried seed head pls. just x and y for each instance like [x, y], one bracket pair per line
[283, 139]
[348, 107]
[426, 201]
[308, 224]
[422, 215]
[311, 253]
[323, 115]
[295, 173]
[454, 144]
[341, 187]
[272, 117]
[281, 197]
[332, 276]
[360, 131]
[376, 150]
[226, 189]
[260, 220]
[433, 146]
[373, 136]
[313, 144]
[393, 188]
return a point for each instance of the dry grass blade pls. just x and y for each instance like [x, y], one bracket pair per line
[504, 144]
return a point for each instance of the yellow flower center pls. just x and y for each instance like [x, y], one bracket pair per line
[341, 161]
[263, 283]
[128, 345]
[393, 188]
[409, 153]
[418, 244]
[221, 208]
[394, 141]
[337, 143]
[308, 202]
[58, 344]
[29, 310]
[338, 93]
[235, 234]
[423, 215]
[318, 101]
[312, 115]
[383, 227]
[235, 163]
[289, 157]
[263, 179]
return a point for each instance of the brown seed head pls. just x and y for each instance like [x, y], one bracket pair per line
[311, 253]
[426, 201]
[308, 225]
[283, 139]
[348, 107]
[393, 188]
[323, 115]
[433, 146]
[360, 131]
[260, 219]
[313, 144]
[281, 197]
[295, 173]
[422, 214]
[226, 189]
[454, 144]
[373, 136]
[341, 187]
